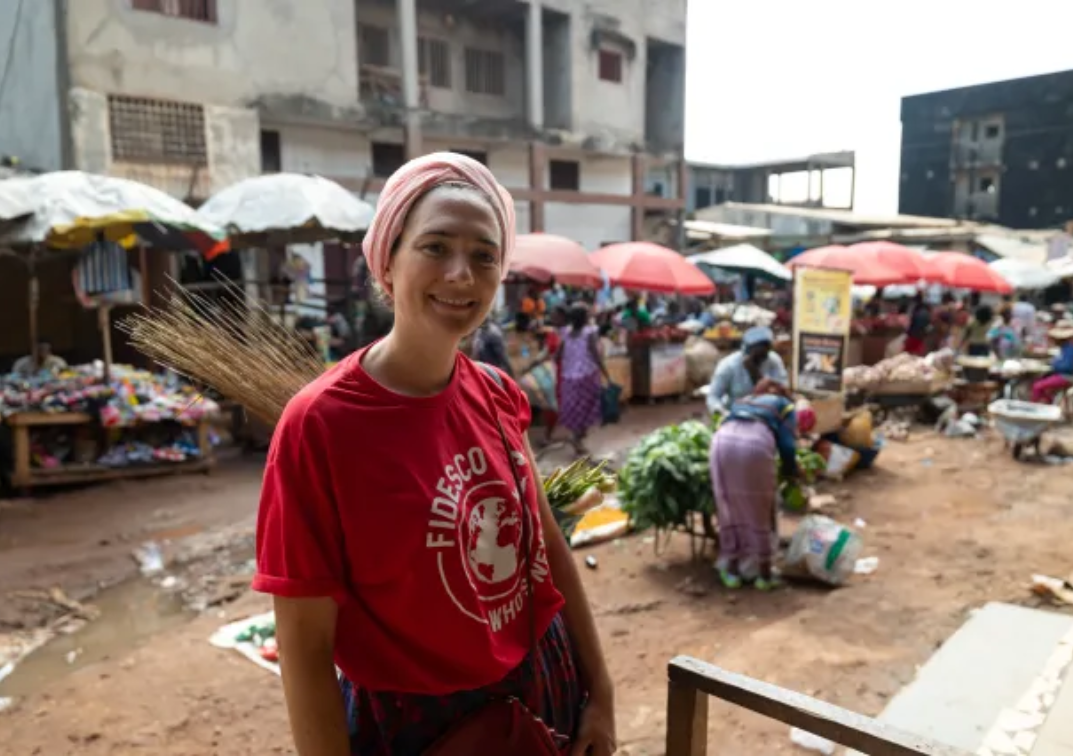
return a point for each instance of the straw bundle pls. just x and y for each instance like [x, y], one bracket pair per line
[229, 344]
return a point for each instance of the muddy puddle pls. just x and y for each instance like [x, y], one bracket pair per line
[130, 613]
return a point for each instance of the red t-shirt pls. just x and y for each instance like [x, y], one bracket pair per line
[404, 510]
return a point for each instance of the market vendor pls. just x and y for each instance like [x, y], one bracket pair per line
[975, 339]
[1046, 389]
[46, 362]
[635, 316]
[748, 371]
[758, 429]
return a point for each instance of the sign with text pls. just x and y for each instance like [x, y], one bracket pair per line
[822, 312]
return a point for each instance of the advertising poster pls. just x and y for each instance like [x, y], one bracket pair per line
[822, 312]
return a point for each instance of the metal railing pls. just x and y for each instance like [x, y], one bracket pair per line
[691, 682]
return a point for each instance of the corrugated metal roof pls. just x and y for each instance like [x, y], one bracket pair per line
[843, 217]
[725, 230]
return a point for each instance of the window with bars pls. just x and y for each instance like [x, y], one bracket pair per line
[485, 72]
[610, 65]
[434, 61]
[387, 158]
[157, 131]
[374, 45]
[194, 10]
[564, 175]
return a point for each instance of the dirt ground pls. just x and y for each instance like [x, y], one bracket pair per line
[954, 523]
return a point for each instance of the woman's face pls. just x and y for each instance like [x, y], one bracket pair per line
[446, 269]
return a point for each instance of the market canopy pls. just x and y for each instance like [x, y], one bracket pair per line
[544, 257]
[1025, 274]
[867, 270]
[646, 266]
[904, 260]
[744, 258]
[299, 207]
[956, 270]
[69, 209]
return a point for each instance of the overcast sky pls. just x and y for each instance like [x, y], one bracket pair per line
[783, 78]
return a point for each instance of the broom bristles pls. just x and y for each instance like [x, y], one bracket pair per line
[237, 349]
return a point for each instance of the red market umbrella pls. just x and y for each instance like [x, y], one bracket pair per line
[544, 257]
[957, 270]
[907, 261]
[650, 267]
[866, 269]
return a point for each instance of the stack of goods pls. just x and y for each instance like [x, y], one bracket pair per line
[131, 397]
[658, 335]
[903, 373]
[78, 389]
[889, 323]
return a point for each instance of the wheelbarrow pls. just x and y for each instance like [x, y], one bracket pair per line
[1023, 423]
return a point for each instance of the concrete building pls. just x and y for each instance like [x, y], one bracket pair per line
[999, 152]
[762, 183]
[576, 105]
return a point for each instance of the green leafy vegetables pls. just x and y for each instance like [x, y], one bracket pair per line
[574, 490]
[666, 476]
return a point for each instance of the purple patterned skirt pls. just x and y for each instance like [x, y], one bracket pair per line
[405, 724]
[579, 402]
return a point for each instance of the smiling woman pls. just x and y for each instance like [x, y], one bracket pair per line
[403, 530]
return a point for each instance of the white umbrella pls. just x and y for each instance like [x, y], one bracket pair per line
[1023, 274]
[745, 258]
[67, 209]
[311, 207]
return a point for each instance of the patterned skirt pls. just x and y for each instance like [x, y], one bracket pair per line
[405, 724]
[579, 402]
[744, 479]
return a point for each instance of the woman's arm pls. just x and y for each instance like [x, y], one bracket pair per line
[306, 632]
[598, 725]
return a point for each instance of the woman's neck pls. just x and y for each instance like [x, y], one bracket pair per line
[407, 367]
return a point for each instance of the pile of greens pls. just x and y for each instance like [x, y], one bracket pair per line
[666, 477]
[574, 490]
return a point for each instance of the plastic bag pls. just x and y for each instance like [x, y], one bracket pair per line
[824, 550]
[610, 406]
[841, 461]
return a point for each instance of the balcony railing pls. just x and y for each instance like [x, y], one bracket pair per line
[384, 86]
[692, 681]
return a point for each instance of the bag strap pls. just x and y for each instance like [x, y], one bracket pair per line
[527, 545]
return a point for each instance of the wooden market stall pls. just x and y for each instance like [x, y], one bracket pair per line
[25, 476]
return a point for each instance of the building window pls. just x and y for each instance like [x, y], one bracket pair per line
[480, 157]
[271, 154]
[387, 158]
[434, 61]
[987, 185]
[610, 65]
[702, 197]
[485, 72]
[992, 131]
[374, 46]
[195, 10]
[564, 175]
[157, 131]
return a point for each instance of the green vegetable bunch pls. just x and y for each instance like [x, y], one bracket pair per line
[574, 490]
[667, 476]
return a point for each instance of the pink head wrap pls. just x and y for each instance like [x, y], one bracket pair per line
[412, 182]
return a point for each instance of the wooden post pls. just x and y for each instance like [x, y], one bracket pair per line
[104, 322]
[687, 721]
[22, 474]
[34, 296]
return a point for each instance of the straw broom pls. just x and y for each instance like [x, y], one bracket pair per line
[242, 352]
[232, 345]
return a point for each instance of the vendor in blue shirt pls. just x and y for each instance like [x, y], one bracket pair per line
[1046, 389]
[747, 371]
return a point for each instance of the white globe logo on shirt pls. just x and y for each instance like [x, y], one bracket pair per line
[495, 533]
